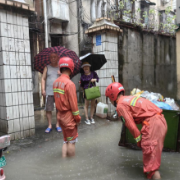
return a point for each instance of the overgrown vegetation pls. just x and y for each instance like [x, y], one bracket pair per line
[145, 16]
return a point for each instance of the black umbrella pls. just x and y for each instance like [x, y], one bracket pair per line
[96, 61]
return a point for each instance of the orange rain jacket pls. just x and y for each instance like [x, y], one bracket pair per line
[135, 110]
[66, 104]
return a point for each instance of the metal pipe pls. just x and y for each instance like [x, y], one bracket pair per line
[99, 12]
[104, 9]
[79, 23]
[45, 23]
[93, 10]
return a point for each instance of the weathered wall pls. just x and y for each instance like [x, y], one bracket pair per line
[108, 47]
[178, 63]
[36, 44]
[71, 42]
[148, 62]
[16, 99]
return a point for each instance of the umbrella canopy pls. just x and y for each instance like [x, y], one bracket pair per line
[42, 59]
[96, 61]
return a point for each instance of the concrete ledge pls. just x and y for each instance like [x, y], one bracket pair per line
[17, 4]
[103, 24]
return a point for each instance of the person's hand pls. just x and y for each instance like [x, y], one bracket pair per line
[77, 119]
[43, 93]
[93, 80]
[78, 123]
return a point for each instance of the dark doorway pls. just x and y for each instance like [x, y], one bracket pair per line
[56, 41]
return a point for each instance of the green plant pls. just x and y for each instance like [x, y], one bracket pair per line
[149, 14]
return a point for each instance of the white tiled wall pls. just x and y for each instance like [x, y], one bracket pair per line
[16, 100]
[109, 48]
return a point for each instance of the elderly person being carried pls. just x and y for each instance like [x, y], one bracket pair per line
[87, 78]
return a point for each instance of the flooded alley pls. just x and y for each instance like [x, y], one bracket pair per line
[98, 156]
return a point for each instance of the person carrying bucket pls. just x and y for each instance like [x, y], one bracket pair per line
[136, 110]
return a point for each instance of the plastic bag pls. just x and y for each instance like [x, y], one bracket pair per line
[152, 96]
[135, 91]
[157, 99]
[162, 105]
[145, 94]
[172, 103]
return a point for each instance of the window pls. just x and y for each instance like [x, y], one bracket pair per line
[104, 9]
[166, 21]
[144, 13]
[127, 10]
[56, 41]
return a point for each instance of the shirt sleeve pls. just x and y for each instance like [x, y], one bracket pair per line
[73, 102]
[129, 122]
[96, 76]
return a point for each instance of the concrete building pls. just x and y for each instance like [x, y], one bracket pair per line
[64, 23]
[132, 54]
[37, 24]
[161, 16]
[16, 100]
[105, 30]
[149, 14]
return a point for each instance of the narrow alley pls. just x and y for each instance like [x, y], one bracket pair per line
[98, 156]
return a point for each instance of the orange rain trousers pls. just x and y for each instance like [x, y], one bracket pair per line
[153, 135]
[134, 110]
[67, 106]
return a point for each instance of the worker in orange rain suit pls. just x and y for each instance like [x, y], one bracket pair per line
[66, 104]
[135, 110]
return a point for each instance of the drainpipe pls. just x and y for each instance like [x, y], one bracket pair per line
[105, 9]
[79, 24]
[45, 23]
[93, 10]
[117, 5]
[99, 5]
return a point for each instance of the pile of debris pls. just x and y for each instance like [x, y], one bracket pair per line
[156, 98]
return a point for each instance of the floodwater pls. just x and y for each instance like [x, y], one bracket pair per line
[98, 156]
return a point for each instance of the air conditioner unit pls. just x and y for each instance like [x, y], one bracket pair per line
[59, 10]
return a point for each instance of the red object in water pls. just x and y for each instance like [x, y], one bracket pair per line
[2, 175]
[4, 143]
[1, 172]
